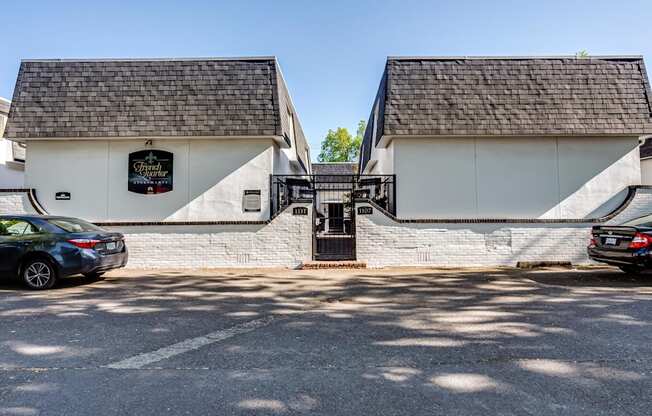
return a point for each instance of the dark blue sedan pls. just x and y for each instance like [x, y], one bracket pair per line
[41, 249]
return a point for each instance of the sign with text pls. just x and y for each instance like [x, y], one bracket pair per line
[299, 211]
[251, 200]
[365, 210]
[62, 196]
[150, 172]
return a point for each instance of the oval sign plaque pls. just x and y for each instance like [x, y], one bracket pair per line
[150, 172]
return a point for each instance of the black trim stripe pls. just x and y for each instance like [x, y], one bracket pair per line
[176, 223]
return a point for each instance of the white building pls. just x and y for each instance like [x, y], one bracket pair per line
[513, 137]
[98, 132]
[503, 160]
[465, 161]
[12, 155]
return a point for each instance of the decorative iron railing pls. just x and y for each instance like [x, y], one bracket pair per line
[286, 189]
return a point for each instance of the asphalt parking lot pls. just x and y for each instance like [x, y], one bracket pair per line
[365, 342]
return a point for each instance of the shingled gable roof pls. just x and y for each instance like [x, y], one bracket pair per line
[204, 97]
[335, 168]
[511, 96]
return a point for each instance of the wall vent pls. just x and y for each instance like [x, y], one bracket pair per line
[423, 256]
[243, 258]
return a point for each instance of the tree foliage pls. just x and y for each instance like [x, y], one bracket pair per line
[340, 146]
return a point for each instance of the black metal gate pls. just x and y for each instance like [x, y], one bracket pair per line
[334, 217]
[333, 198]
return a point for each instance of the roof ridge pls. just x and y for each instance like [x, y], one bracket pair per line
[512, 57]
[178, 59]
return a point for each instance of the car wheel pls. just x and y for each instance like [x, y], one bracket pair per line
[39, 274]
[94, 276]
[631, 269]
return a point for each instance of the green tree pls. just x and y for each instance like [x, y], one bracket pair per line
[340, 146]
[582, 54]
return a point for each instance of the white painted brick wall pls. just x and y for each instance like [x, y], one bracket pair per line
[382, 241]
[285, 242]
[641, 205]
[15, 203]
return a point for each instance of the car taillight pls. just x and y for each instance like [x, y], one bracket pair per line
[84, 242]
[640, 241]
[592, 242]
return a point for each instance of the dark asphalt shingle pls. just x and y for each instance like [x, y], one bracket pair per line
[513, 96]
[345, 168]
[123, 98]
[144, 98]
[517, 96]
[151, 98]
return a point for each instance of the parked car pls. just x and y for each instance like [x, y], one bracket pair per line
[626, 246]
[41, 249]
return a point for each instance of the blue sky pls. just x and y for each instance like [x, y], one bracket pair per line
[332, 52]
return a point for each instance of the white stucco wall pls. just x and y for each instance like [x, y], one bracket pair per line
[209, 179]
[512, 177]
[11, 173]
[383, 242]
[646, 171]
[383, 158]
[286, 162]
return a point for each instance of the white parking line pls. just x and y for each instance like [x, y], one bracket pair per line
[141, 360]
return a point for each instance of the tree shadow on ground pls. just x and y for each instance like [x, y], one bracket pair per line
[509, 340]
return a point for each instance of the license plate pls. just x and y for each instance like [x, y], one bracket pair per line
[611, 241]
[110, 246]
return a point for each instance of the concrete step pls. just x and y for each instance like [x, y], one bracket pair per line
[349, 264]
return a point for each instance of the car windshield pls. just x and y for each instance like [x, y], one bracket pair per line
[645, 221]
[73, 225]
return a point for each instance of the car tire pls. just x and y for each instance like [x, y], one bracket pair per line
[631, 269]
[95, 276]
[39, 274]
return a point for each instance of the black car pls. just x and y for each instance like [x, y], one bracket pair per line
[41, 249]
[626, 246]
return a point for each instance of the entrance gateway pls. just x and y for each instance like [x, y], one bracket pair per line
[333, 199]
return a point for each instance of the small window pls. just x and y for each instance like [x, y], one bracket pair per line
[291, 126]
[18, 151]
[375, 123]
[16, 228]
